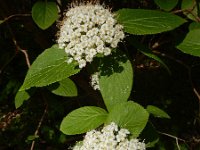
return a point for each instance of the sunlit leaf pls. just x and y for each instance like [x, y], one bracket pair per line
[129, 115]
[191, 43]
[49, 67]
[83, 119]
[140, 21]
[116, 79]
[64, 87]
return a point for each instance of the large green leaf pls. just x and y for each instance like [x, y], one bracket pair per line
[65, 87]
[140, 21]
[49, 67]
[166, 4]
[83, 119]
[191, 43]
[157, 112]
[20, 97]
[116, 79]
[129, 115]
[44, 14]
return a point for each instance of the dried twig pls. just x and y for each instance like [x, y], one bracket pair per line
[189, 11]
[174, 137]
[39, 125]
[15, 15]
[18, 48]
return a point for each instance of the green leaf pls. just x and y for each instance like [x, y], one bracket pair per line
[166, 5]
[49, 67]
[1, 21]
[191, 43]
[65, 87]
[140, 21]
[20, 97]
[149, 53]
[44, 14]
[157, 112]
[185, 4]
[32, 137]
[129, 115]
[194, 25]
[83, 119]
[116, 79]
[146, 51]
[150, 135]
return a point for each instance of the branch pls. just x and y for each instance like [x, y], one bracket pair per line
[39, 125]
[18, 48]
[15, 15]
[190, 11]
[174, 137]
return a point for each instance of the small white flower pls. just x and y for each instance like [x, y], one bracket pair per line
[82, 63]
[89, 58]
[95, 81]
[69, 60]
[100, 49]
[107, 51]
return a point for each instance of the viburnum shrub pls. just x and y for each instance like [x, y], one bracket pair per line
[88, 40]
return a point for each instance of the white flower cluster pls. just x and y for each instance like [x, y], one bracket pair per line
[95, 81]
[88, 30]
[109, 138]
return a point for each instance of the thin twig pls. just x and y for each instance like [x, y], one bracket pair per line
[26, 57]
[39, 125]
[15, 15]
[189, 11]
[18, 48]
[174, 137]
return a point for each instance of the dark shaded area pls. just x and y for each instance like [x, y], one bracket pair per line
[152, 84]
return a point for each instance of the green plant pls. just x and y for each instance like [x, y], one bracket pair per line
[55, 69]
